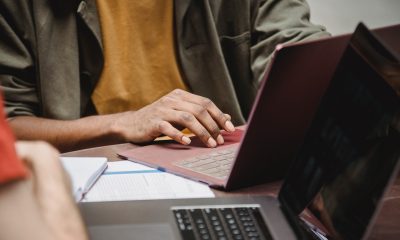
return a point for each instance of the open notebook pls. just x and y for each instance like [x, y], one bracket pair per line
[83, 171]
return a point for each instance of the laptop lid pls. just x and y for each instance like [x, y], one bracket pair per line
[351, 152]
[284, 107]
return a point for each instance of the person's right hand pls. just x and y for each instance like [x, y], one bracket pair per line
[178, 108]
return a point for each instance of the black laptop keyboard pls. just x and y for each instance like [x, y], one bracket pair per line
[221, 222]
[216, 164]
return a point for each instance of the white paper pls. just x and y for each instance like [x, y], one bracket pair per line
[125, 180]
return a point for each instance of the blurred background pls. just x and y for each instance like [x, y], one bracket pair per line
[342, 16]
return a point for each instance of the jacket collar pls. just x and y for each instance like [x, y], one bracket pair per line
[181, 7]
[87, 10]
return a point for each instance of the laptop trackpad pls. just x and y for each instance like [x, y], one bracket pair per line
[131, 231]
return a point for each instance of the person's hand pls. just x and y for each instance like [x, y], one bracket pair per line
[52, 190]
[178, 108]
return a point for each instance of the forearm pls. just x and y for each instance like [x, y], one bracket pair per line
[68, 135]
[200, 115]
[20, 217]
[60, 212]
[49, 189]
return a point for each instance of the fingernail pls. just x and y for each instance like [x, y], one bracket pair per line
[211, 142]
[186, 140]
[220, 140]
[229, 126]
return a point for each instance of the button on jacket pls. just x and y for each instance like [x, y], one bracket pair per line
[51, 51]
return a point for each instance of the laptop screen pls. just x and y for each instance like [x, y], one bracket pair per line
[351, 150]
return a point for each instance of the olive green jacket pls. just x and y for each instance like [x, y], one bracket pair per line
[51, 51]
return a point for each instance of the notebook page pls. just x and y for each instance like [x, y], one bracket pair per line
[125, 180]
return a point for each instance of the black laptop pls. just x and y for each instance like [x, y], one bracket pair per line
[349, 157]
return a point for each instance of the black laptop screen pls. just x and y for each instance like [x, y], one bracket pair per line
[350, 151]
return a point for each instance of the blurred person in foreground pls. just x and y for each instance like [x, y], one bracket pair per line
[35, 194]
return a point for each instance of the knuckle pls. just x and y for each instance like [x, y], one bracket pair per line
[162, 126]
[165, 100]
[206, 102]
[215, 130]
[187, 117]
[177, 91]
[223, 117]
[204, 135]
[200, 110]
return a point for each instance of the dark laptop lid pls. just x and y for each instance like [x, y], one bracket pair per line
[351, 151]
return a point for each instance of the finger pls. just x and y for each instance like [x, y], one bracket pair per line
[200, 113]
[189, 121]
[229, 124]
[214, 111]
[168, 130]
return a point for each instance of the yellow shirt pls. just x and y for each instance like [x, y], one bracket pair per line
[139, 53]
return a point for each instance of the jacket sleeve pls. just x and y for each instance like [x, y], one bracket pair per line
[17, 68]
[279, 22]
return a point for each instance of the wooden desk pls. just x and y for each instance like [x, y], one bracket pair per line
[387, 225]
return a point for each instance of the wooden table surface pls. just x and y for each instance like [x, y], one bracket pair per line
[386, 226]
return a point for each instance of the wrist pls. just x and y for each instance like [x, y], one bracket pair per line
[116, 129]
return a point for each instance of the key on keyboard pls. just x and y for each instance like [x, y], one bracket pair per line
[216, 164]
[221, 223]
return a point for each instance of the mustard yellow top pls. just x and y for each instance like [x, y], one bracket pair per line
[139, 53]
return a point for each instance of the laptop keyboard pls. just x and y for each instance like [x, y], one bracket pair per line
[216, 164]
[221, 223]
